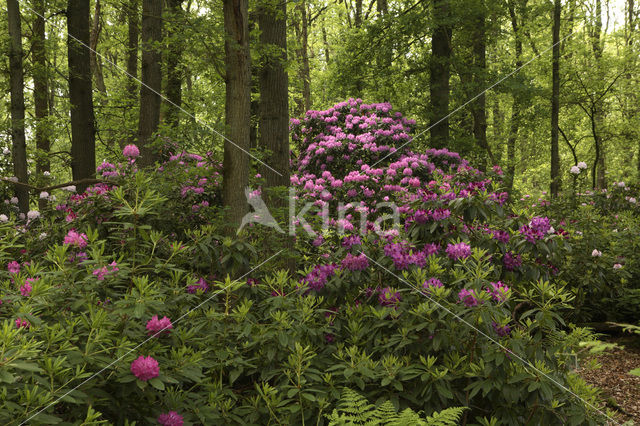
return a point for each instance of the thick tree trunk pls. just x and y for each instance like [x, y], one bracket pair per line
[133, 22]
[237, 109]
[40, 91]
[83, 157]
[440, 74]
[274, 104]
[96, 66]
[555, 101]
[174, 67]
[16, 78]
[150, 100]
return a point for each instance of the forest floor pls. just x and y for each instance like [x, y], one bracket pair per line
[620, 389]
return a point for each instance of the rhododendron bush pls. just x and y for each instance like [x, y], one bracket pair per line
[124, 303]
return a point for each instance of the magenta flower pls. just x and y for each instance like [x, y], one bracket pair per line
[468, 297]
[75, 239]
[13, 267]
[25, 289]
[155, 325]
[355, 263]
[131, 151]
[432, 283]
[500, 330]
[511, 261]
[201, 284]
[499, 291]
[458, 251]
[388, 297]
[20, 323]
[145, 368]
[170, 419]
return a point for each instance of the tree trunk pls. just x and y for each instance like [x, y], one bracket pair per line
[83, 146]
[150, 100]
[96, 66]
[598, 112]
[40, 91]
[516, 106]
[479, 106]
[16, 78]
[237, 109]
[133, 22]
[301, 30]
[274, 103]
[440, 74]
[174, 67]
[555, 101]
[382, 7]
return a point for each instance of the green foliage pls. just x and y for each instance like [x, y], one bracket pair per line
[353, 409]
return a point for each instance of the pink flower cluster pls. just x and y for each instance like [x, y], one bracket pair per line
[155, 325]
[13, 267]
[101, 273]
[75, 239]
[458, 251]
[170, 419]
[145, 368]
[355, 263]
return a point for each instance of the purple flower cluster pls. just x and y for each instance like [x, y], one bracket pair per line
[499, 292]
[355, 263]
[200, 285]
[536, 230]
[431, 284]
[318, 277]
[170, 419]
[469, 297]
[388, 297]
[154, 325]
[501, 330]
[403, 255]
[511, 261]
[458, 251]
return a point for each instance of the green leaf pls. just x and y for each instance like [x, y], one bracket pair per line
[26, 366]
[635, 372]
[157, 383]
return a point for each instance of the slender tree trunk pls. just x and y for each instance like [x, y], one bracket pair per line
[516, 106]
[237, 109]
[598, 112]
[383, 7]
[16, 78]
[40, 91]
[83, 157]
[150, 100]
[305, 71]
[440, 73]
[555, 100]
[479, 109]
[96, 66]
[357, 20]
[133, 22]
[274, 103]
[174, 67]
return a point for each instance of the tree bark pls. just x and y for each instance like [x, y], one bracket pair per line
[96, 66]
[40, 91]
[555, 100]
[150, 100]
[83, 157]
[174, 67]
[598, 112]
[304, 72]
[383, 7]
[440, 73]
[357, 20]
[479, 107]
[16, 78]
[274, 103]
[237, 109]
[133, 22]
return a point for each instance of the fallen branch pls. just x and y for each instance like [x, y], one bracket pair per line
[60, 185]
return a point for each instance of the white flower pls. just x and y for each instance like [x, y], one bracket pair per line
[632, 200]
[6, 201]
[21, 216]
[575, 170]
[4, 218]
[6, 151]
[621, 184]
[617, 266]
[551, 230]
[14, 200]
[42, 236]
[70, 188]
[13, 179]
[582, 165]
[47, 173]
[44, 195]
[596, 253]
[33, 214]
